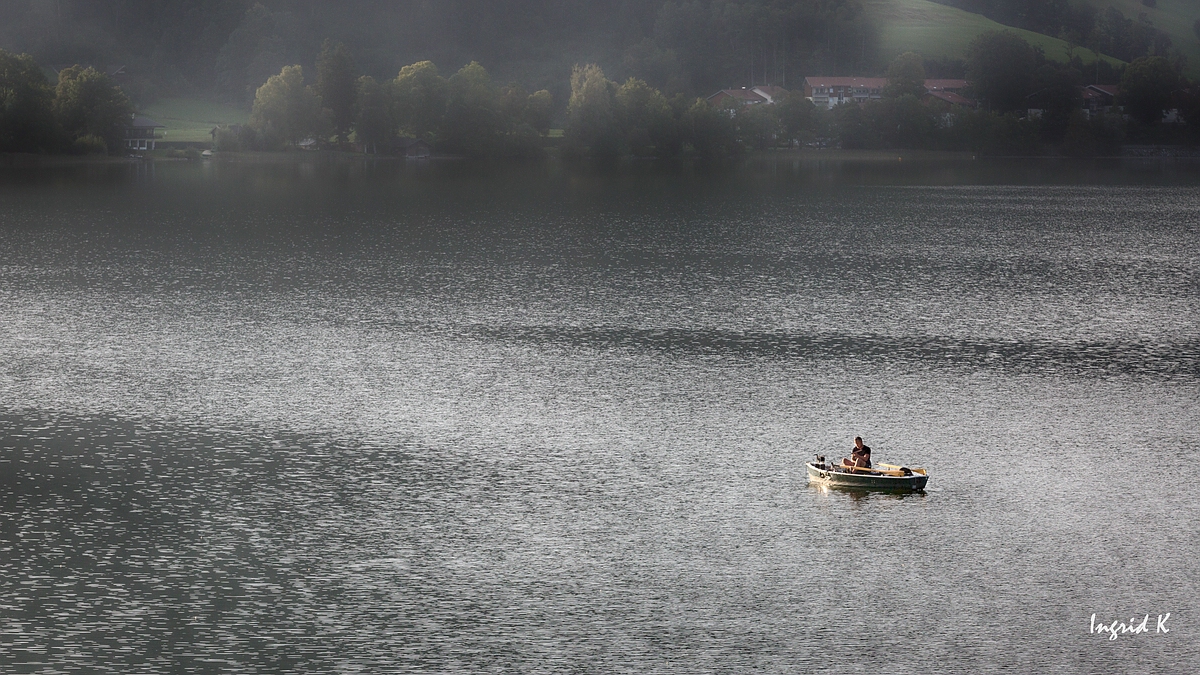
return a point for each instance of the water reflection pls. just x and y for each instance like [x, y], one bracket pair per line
[859, 495]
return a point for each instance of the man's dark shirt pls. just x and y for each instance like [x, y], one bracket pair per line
[861, 457]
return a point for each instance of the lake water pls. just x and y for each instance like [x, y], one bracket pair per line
[342, 417]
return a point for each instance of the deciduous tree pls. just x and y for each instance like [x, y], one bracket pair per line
[1056, 93]
[374, 114]
[646, 119]
[796, 115]
[591, 111]
[999, 65]
[26, 105]
[539, 110]
[906, 76]
[758, 124]
[513, 101]
[284, 109]
[1147, 87]
[420, 99]
[336, 86]
[473, 123]
[88, 104]
[710, 131]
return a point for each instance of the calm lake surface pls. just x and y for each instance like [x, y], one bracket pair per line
[342, 417]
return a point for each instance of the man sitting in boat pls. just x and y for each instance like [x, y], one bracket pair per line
[860, 457]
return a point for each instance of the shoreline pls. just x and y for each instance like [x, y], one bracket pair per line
[1136, 153]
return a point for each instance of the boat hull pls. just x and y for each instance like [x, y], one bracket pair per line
[866, 481]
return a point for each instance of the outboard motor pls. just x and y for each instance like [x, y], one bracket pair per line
[820, 464]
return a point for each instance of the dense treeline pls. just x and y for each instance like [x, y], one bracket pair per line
[1027, 105]
[229, 47]
[1080, 23]
[466, 113]
[84, 113]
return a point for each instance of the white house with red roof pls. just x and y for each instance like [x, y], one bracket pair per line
[826, 92]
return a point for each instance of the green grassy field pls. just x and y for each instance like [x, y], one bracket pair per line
[1175, 17]
[938, 31]
[189, 119]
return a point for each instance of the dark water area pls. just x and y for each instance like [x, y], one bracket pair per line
[384, 417]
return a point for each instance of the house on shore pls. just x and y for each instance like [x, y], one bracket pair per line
[140, 133]
[1099, 98]
[413, 148]
[951, 97]
[827, 92]
[731, 98]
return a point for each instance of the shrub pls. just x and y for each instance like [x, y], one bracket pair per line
[89, 144]
[227, 140]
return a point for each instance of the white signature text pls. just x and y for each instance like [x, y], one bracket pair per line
[1118, 627]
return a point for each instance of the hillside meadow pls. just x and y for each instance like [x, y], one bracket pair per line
[939, 31]
[192, 119]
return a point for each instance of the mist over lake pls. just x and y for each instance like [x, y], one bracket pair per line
[354, 416]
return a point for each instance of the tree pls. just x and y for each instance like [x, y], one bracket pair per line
[999, 65]
[1095, 135]
[645, 119]
[1189, 109]
[902, 122]
[710, 131]
[374, 116]
[26, 105]
[906, 76]
[513, 101]
[420, 95]
[796, 115]
[336, 86]
[1147, 88]
[284, 109]
[758, 124]
[1056, 94]
[591, 111]
[855, 128]
[538, 111]
[473, 122]
[88, 105]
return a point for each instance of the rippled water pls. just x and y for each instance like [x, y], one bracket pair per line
[346, 418]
